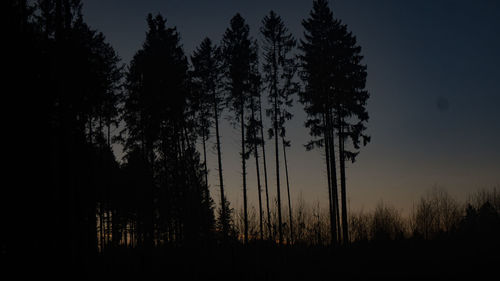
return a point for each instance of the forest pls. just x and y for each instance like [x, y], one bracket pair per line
[83, 214]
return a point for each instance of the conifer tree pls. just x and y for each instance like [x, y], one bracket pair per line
[159, 112]
[334, 99]
[206, 77]
[238, 56]
[254, 126]
[350, 103]
[279, 71]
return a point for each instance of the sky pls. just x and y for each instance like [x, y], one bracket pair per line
[433, 77]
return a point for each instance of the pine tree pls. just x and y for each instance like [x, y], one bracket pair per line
[316, 63]
[206, 76]
[71, 72]
[161, 121]
[263, 146]
[351, 115]
[279, 72]
[238, 56]
[253, 128]
[334, 99]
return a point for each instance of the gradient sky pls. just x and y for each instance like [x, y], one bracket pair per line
[433, 75]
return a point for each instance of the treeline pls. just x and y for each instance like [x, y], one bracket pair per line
[166, 104]
[63, 82]
[436, 216]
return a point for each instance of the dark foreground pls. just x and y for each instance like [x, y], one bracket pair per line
[399, 260]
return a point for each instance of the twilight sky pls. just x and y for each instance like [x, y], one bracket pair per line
[433, 75]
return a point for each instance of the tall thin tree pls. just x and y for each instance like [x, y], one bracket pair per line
[264, 162]
[253, 128]
[206, 74]
[351, 97]
[316, 71]
[334, 99]
[279, 70]
[238, 55]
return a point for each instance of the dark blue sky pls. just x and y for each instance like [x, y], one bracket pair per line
[433, 75]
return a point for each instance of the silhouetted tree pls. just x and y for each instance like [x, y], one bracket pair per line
[238, 56]
[386, 223]
[290, 88]
[159, 112]
[71, 74]
[206, 74]
[29, 208]
[279, 72]
[263, 145]
[335, 96]
[201, 99]
[316, 62]
[435, 213]
[285, 145]
[254, 126]
[350, 103]
[480, 226]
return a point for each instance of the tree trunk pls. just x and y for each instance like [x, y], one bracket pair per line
[329, 168]
[108, 183]
[205, 158]
[276, 146]
[265, 170]
[345, 227]
[225, 229]
[149, 228]
[333, 170]
[288, 191]
[259, 188]
[243, 167]
[278, 195]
